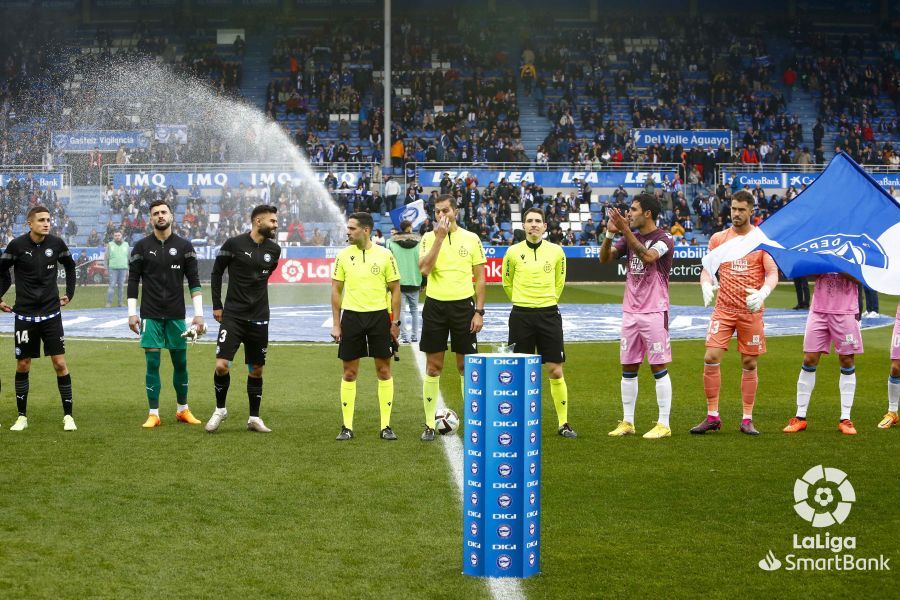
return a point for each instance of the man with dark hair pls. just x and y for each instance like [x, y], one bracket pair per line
[534, 275]
[162, 261]
[33, 257]
[250, 259]
[450, 257]
[744, 284]
[359, 307]
[645, 308]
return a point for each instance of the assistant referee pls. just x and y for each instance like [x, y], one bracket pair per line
[449, 256]
[362, 271]
[534, 275]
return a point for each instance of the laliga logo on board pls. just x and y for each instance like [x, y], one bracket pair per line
[858, 249]
[292, 271]
[505, 377]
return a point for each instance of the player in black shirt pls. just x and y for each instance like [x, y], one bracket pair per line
[34, 257]
[250, 260]
[163, 260]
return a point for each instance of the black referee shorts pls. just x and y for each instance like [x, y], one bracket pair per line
[442, 318]
[365, 334]
[234, 332]
[538, 331]
[30, 334]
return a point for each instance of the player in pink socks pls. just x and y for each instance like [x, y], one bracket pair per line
[833, 319]
[744, 285]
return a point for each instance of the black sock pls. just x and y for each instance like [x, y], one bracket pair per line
[221, 383]
[64, 384]
[254, 394]
[22, 393]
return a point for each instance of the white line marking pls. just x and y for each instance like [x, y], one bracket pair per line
[112, 324]
[500, 588]
[76, 321]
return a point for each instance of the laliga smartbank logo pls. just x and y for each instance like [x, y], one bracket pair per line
[823, 497]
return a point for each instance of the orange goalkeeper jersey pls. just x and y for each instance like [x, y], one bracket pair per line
[738, 275]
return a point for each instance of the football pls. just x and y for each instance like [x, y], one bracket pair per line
[446, 421]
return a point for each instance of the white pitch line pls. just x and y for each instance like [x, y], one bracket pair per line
[500, 588]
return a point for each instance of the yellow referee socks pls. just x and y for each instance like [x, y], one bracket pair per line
[430, 388]
[348, 402]
[462, 386]
[560, 393]
[386, 400]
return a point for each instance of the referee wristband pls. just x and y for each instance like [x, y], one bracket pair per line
[609, 234]
[198, 305]
[132, 307]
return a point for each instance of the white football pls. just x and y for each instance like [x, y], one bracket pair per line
[446, 421]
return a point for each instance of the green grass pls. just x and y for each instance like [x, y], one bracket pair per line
[114, 511]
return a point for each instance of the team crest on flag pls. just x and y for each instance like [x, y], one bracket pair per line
[414, 212]
[860, 249]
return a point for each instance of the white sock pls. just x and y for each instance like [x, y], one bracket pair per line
[747, 417]
[712, 413]
[664, 398]
[154, 411]
[893, 394]
[629, 398]
[253, 419]
[182, 407]
[222, 411]
[806, 382]
[847, 385]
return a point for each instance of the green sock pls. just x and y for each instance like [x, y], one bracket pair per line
[180, 374]
[430, 388]
[385, 400]
[152, 380]
[348, 402]
[560, 393]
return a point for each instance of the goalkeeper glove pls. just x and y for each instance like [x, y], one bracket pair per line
[709, 292]
[755, 298]
[194, 332]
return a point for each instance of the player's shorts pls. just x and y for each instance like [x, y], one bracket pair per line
[163, 333]
[823, 329]
[538, 330]
[365, 334]
[895, 341]
[442, 318]
[31, 331]
[645, 335]
[749, 327]
[252, 334]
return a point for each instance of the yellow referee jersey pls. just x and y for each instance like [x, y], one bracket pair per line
[534, 276]
[451, 277]
[365, 274]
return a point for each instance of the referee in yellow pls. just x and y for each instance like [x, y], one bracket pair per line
[362, 272]
[449, 256]
[534, 275]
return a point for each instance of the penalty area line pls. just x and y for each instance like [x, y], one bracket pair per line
[500, 588]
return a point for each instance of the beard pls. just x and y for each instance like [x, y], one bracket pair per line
[163, 227]
[267, 232]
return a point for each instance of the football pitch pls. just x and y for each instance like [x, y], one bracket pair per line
[115, 511]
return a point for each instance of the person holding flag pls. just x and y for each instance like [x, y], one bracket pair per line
[744, 285]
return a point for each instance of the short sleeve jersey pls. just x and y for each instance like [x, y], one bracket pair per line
[534, 277]
[451, 277]
[738, 275]
[647, 285]
[366, 274]
[835, 295]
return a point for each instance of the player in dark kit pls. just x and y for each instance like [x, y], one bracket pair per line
[163, 260]
[34, 257]
[250, 259]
